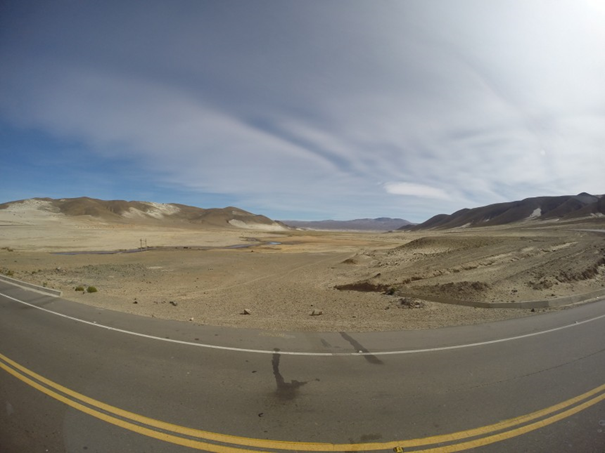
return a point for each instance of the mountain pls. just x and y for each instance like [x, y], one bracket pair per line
[379, 224]
[143, 212]
[566, 207]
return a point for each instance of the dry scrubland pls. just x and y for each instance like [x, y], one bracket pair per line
[281, 284]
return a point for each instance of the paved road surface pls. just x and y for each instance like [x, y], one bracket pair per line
[78, 379]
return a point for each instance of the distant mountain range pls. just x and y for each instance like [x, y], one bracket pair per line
[379, 224]
[121, 211]
[566, 207]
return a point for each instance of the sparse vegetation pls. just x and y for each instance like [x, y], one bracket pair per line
[79, 288]
[91, 289]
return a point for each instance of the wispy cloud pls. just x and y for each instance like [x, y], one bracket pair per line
[312, 110]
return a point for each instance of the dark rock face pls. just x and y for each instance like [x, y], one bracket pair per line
[565, 207]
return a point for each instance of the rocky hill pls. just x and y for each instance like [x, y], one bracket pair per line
[566, 207]
[143, 212]
[379, 224]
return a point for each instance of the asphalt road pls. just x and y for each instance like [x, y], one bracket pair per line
[78, 379]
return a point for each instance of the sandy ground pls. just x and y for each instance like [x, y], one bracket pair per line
[192, 274]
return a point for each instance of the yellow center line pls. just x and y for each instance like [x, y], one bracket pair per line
[516, 432]
[298, 446]
[121, 423]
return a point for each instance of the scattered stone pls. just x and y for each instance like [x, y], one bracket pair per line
[246, 312]
[190, 319]
[316, 313]
[406, 302]
[135, 302]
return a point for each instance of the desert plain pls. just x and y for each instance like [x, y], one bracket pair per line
[293, 280]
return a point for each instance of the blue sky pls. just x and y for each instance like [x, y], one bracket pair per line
[303, 109]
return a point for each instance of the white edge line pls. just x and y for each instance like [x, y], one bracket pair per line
[314, 354]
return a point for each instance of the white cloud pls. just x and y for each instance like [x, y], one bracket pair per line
[415, 190]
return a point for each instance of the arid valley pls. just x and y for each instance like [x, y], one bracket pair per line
[288, 279]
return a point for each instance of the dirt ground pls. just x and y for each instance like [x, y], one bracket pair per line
[387, 281]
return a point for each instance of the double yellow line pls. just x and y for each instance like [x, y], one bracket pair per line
[215, 442]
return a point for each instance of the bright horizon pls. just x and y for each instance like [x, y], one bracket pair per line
[305, 110]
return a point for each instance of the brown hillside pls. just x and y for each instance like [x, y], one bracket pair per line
[140, 212]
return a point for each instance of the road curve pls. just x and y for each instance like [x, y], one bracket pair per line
[75, 378]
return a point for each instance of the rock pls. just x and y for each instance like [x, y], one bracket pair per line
[190, 319]
[406, 302]
[246, 312]
[173, 303]
[316, 313]
[135, 302]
